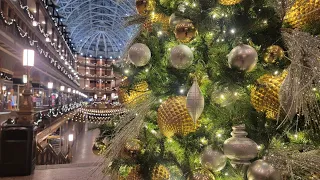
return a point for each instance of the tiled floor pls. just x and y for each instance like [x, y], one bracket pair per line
[85, 165]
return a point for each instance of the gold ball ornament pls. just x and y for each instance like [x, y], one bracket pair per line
[302, 13]
[144, 7]
[185, 31]
[273, 53]
[160, 172]
[98, 148]
[229, 2]
[265, 94]
[134, 95]
[161, 19]
[133, 145]
[174, 118]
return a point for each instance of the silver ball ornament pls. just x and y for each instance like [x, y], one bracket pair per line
[261, 170]
[243, 57]
[181, 56]
[139, 54]
[213, 160]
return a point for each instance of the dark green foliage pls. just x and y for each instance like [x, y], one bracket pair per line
[255, 24]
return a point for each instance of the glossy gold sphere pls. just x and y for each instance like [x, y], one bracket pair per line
[273, 53]
[185, 31]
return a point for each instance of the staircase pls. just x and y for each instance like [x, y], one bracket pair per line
[47, 156]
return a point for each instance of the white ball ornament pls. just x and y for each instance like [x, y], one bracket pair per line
[243, 57]
[139, 54]
[181, 56]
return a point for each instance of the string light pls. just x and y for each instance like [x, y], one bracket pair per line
[233, 31]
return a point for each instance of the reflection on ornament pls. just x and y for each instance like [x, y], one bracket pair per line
[185, 31]
[173, 117]
[239, 148]
[243, 57]
[213, 160]
[139, 54]
[265, 95]
[202, 175]
[144, 7]
[181, 56]
[273, 53]
[174, 20]
[303, 13]
[195, 101]
[160, 172]
[261, 170]
[229, 2]
[134, 95]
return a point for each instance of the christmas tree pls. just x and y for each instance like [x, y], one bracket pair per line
[200, 70]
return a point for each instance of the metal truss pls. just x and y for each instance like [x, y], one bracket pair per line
[96, 26]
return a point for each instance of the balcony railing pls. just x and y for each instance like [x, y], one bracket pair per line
[19, 19]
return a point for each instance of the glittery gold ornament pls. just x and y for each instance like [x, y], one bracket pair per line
[133, 145]
[133, 95]
[229, 2]
[185, 31]
[160, 172]
[173, 117]
[265, 95]
[273, 53]
[202, 175]
[144, 7]
[302, 13]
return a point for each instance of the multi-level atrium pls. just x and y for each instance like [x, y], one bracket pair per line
[160, 89]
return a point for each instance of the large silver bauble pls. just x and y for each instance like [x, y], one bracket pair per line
[261, 170]
[139, 54]
[239, 148]
[213, 160]
[174, 20]
[181, 56]
[243, 57]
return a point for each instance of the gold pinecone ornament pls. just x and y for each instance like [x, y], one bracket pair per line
[302, 13]
[265, 95]
[160, 172]
[134, 95]
[229, 2]
[173, 117]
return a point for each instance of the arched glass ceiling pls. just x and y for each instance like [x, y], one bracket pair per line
[96, 26]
